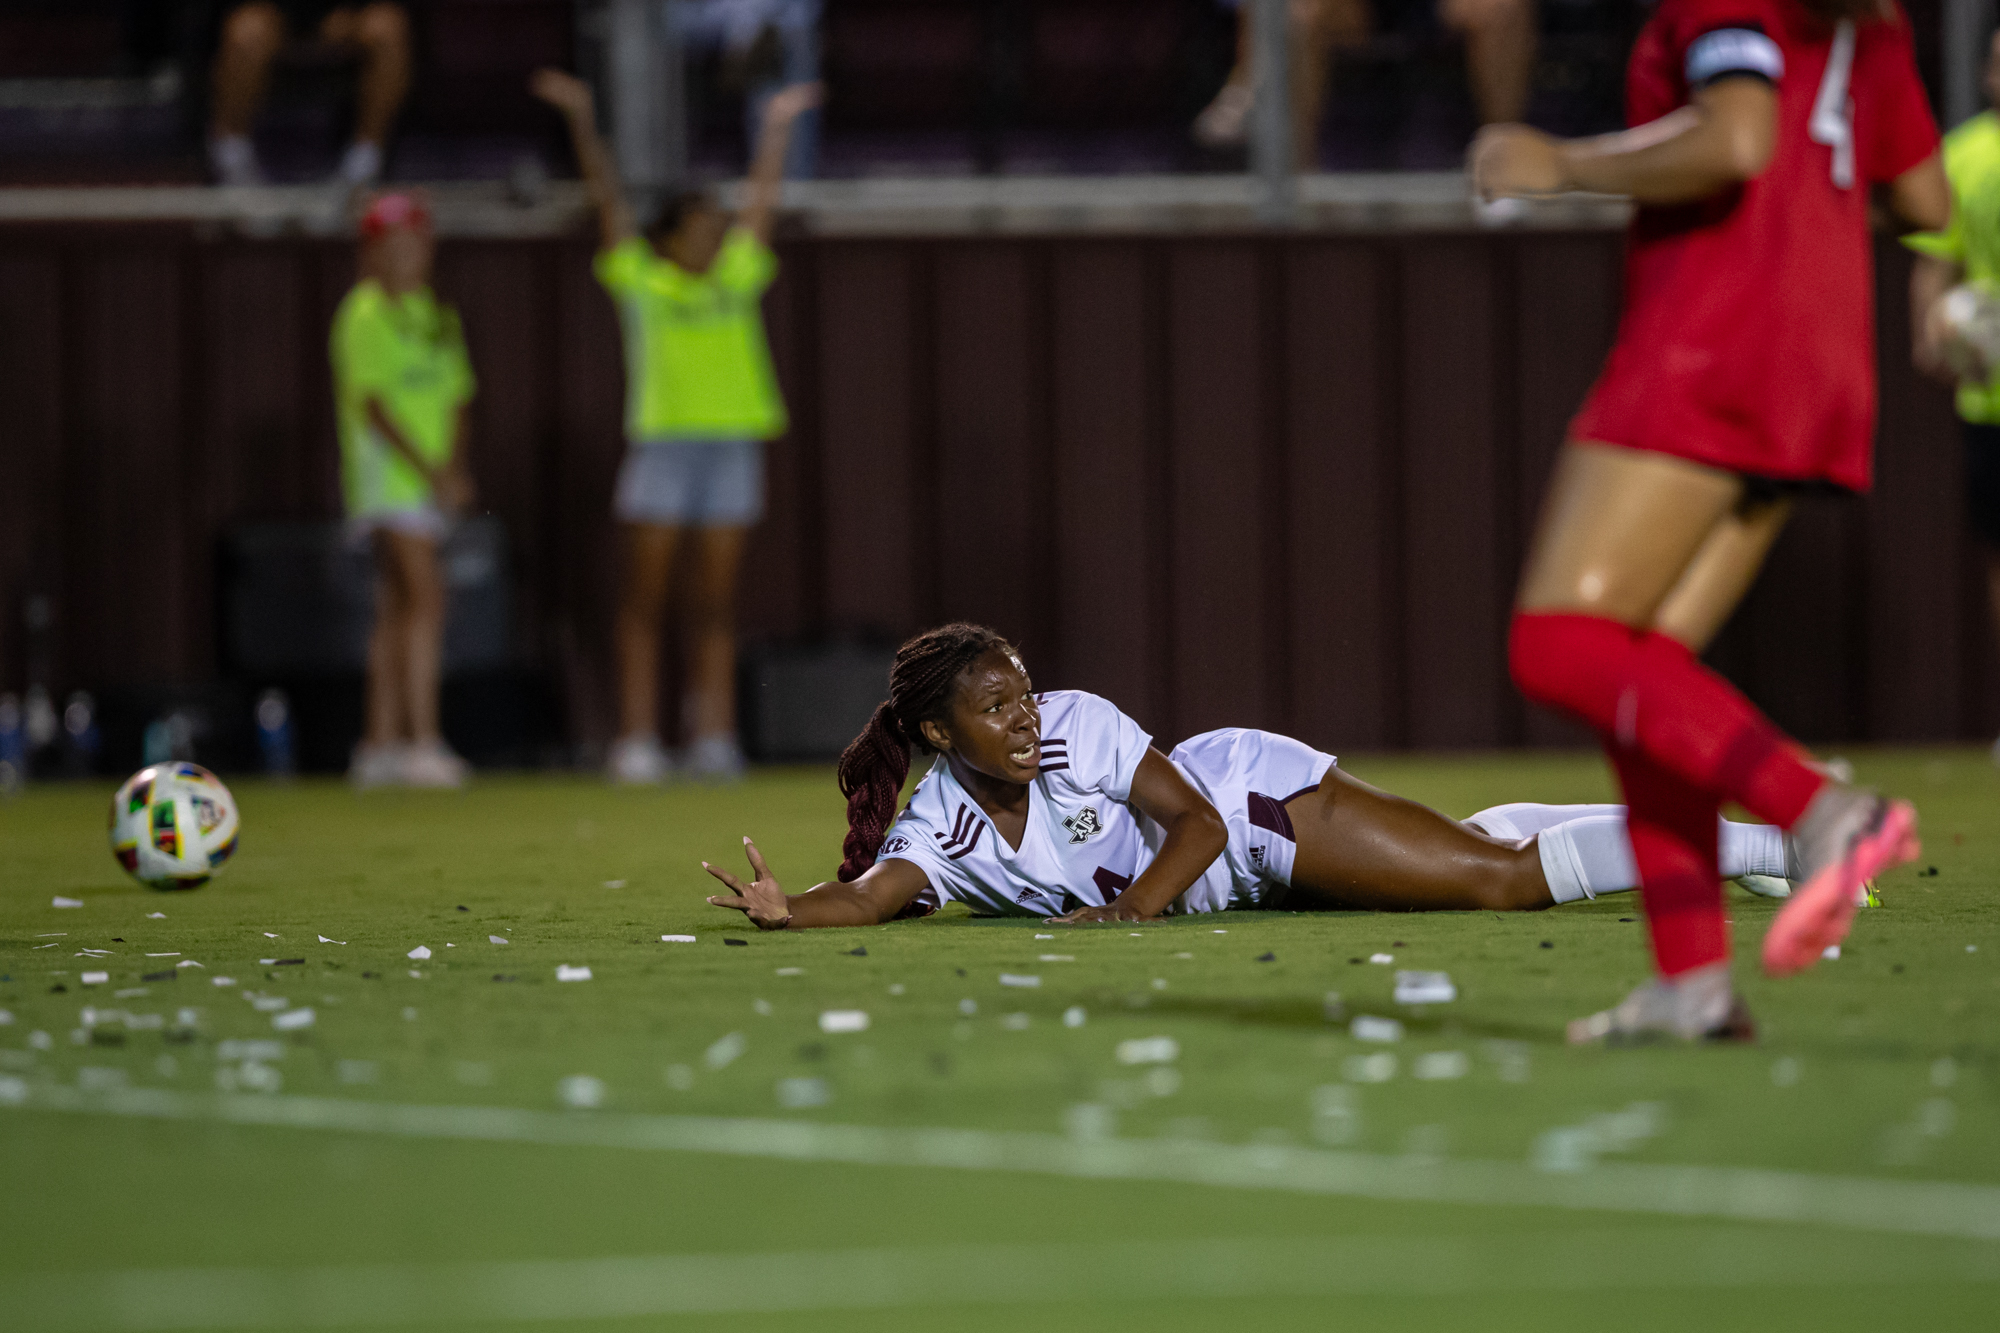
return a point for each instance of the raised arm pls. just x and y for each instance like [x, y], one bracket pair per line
[571, 96]
[1196, 835]
[767, 167]
[1724, 137]
[880, 892]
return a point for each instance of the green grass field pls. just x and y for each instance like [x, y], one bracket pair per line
[464, 1140]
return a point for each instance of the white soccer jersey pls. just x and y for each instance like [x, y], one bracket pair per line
[1085, 840]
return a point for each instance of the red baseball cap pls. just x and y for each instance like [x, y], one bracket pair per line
[391, 211]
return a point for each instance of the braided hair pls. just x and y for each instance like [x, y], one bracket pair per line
[873, 767]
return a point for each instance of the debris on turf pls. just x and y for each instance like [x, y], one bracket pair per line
[861, 952]
[1368, 1028]
[664, 939]
[800, 1094]
[270, 935]
[614, 883]
[501, 939]
[896, 988]
[463, 908]
[1015, 1022]
[1830, 953]
[724, 1050]
[500, 976]
[843, 1020]
[1075, 1016]
[1044, 937]
[324, 940]
[1383, 958]
[1425, 988]
[1377, 1068]
[968, 1007]
[1057, 958]
[1439, 1065]
[790, 971]
[222, 981]
[1548, 944]
[156, 916]
[1331, 1006]
[1267, 957]
[420, 953]
[564, 972]
[94, 978]
[292, 1020]
[733, 941]
[1016, 979]
[761, 1007]
[1148, 1051]
[60, 901]
[581, 1092]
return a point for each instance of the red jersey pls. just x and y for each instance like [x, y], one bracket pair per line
[1747, 340]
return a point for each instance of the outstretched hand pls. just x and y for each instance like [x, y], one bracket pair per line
[564, 92]
[762, 899]
[1100, 916]
[1516, 161]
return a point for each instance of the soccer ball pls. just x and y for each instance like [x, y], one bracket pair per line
[173, 825]
[1971, 319]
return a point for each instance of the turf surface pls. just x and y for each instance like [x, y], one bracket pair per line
[1878, 1066]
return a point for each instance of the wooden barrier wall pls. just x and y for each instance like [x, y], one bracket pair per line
[1275, 481]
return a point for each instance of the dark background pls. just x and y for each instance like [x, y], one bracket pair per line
[1249, 480]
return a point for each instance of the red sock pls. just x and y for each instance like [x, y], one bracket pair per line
[1672, 826]
[1646, 692]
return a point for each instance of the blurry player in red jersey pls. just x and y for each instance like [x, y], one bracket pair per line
[1743, 370]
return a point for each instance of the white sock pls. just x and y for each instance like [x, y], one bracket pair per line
[1751, 849]
[1585, 850]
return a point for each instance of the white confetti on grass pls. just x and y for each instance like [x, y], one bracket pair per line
[725, 1050]
[1831, 953]
[1019, 980]
[292, 1020]
[175, 954]
[564, 972]
[1044, 937]
[189, 962]
[420, 953]
[800, 1094]
[791, 971]
[677, 939]
[95, 978]
[581, 1092]
[60, 901]
[614, 883]
[1148, 1051]
[1434, 1065]
[1075, 1016]
[222, 981]
[324, 940]
[496, 939]
[1368, 1028]
[270, 935]
[1425, 988]
[1383, 959]
[1058, 958]
[156, 916]
[843, 1020]
[1015, 1022]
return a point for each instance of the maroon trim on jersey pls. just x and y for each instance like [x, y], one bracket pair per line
[1057, 749]
[1268, 812]
[964, 835]
[1110, 883]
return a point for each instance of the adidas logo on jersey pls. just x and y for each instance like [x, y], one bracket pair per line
[1083, 824]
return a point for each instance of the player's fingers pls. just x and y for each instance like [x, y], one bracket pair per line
[725, 877]
[756, 859]
[733, 904]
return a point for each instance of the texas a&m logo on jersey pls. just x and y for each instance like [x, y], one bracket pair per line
[1083, 824]
[894, 845]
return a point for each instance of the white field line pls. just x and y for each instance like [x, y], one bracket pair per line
[1929, 1208]
[158, 1300]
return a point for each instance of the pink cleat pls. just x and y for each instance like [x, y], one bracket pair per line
[1876, 835]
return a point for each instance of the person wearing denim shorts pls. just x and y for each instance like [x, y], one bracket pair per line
[701, 400]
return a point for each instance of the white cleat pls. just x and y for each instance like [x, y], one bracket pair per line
[714, 759]
[434, 764]
[376, 766]
[1700, 1005]
[638, 761]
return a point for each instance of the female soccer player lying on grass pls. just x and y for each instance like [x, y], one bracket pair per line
[1056, 805]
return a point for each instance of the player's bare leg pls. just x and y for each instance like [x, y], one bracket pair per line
[1363, 848]
[636, 756]
[710, 709]
[1721, 572]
